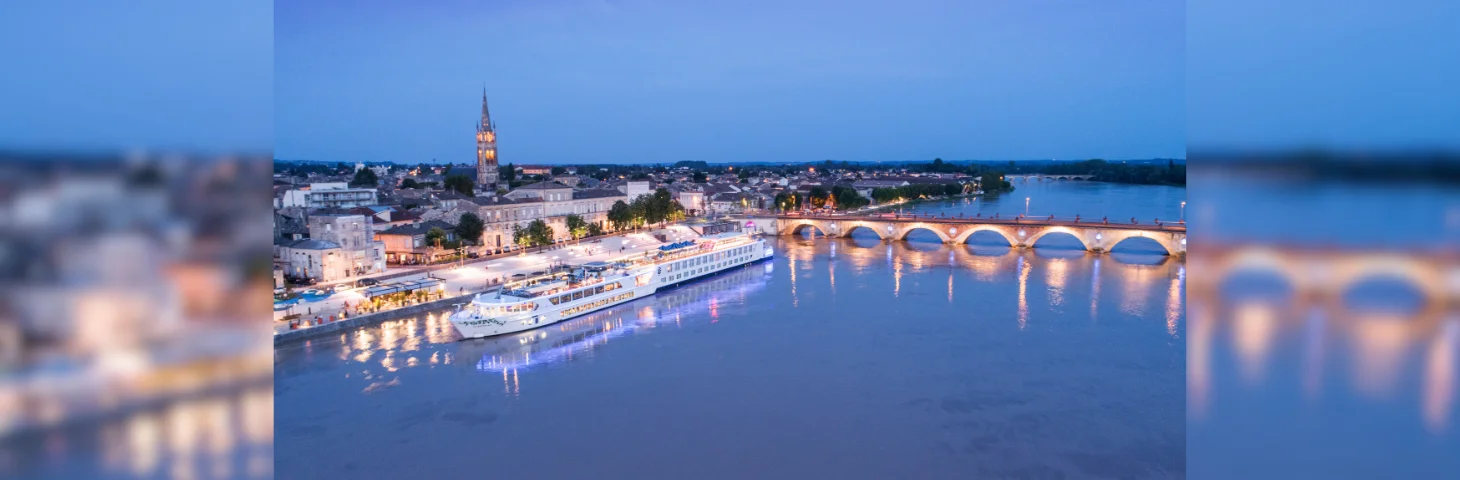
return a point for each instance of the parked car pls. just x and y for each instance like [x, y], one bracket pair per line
[367, 282]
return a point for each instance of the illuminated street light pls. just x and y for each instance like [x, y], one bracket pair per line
[1183, 211]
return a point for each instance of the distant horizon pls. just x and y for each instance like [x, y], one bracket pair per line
[748, 162]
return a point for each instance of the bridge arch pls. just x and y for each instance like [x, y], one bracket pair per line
[875, 229]
[901, 234]
[1079, 235]
[1115, 237]
[966, 231]
[1428, 281]
[798, 227]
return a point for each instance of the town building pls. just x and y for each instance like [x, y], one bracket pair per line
[341, 245]
[328, 195]
[406, 244]
[535, 170]
[638, 189]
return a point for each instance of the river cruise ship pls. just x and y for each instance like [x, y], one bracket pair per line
[559, 296]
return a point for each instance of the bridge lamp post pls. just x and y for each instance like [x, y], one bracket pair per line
[1026, 206]
[1183, 212]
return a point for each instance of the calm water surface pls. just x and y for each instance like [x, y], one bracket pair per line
[1284, 384]
[846, 358]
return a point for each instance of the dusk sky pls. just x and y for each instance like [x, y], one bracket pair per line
[644, 81]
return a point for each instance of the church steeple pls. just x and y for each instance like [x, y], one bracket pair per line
[486, 117]
[486, 151]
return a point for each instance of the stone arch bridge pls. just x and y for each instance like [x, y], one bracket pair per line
[1094, 236]
[1043, 177]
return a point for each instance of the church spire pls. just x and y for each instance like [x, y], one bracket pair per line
[486, 125]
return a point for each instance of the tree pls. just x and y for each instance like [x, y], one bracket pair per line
[539, 232]
[700, 177]
[460, 183]
[993, 183]
[435, 236]
[818, 196]
[507, 172]
[559, 171]
[470, 227]
[576, 226]
[594, 230]
[409, 183]
[620, 215]
[365, 178]
[847, 198]
[788, 201]
[521, 237]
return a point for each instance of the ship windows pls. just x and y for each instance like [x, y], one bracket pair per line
[565, 298]
[554, 300]
[578, 295]
[598, 290]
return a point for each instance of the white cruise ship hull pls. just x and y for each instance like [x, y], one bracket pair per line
[666, 275]
[478, 327]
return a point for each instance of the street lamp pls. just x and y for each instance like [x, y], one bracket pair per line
[1183, 211]
[1026, 206]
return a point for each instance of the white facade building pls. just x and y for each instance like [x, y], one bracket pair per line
[329, 195]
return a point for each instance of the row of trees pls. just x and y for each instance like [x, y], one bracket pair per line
[647, 209]
[882, 195]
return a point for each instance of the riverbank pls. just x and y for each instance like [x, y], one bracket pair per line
[292, 336]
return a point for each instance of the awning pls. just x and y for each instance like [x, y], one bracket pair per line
[402, 287]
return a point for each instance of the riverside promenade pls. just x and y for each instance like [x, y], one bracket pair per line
[460, 283]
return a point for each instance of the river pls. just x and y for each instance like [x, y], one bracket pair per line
[839, 358]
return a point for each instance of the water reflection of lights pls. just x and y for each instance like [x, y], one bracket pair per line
[1023, 292]
[1055, 276]
[792, 268]
[896, 276]
[1174, 295]
[1198, 362]
[1138, 282]
[1439, 377]
[950, 285]
[1094, 289]
[1381, 343]
[1255, 329]
[1313, 357]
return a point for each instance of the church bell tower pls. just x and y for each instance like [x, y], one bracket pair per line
[486, 152]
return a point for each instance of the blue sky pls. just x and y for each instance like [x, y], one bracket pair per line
[108, 75]
[1356, 75]
[645, 81]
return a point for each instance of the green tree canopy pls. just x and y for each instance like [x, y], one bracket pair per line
[460, 183]
[470, 227]
[539, 232]
[409, 183]
[435, 235]
[576, 226]
[365, 178]
[620, 215]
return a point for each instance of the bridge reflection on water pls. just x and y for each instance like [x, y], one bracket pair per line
[1347, 350]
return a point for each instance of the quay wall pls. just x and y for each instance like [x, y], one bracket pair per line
[292, 336]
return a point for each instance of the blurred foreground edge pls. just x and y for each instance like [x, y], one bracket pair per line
[1324, 335]
[131, 283]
